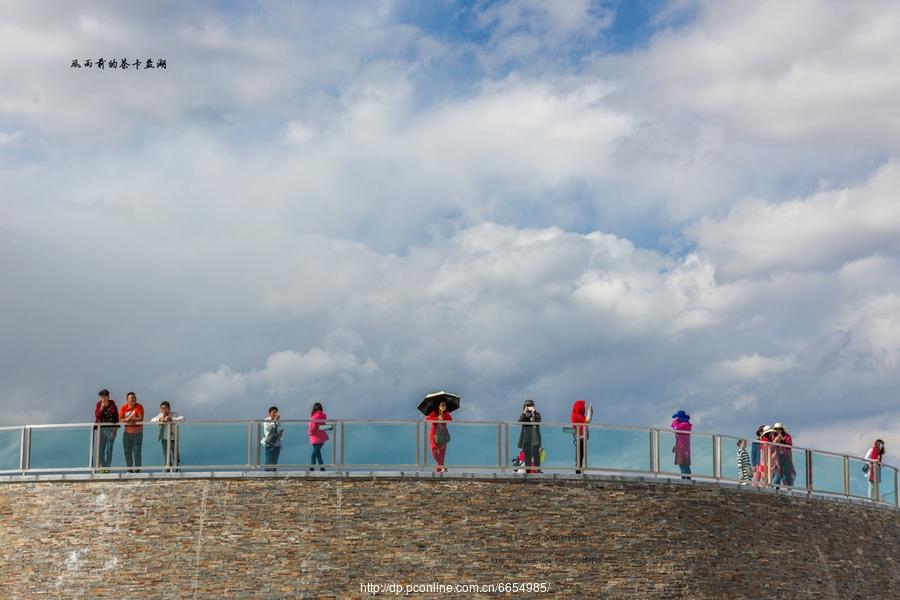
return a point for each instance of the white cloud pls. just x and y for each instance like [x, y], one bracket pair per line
[822, 231]
[752, 366]
[811, 70]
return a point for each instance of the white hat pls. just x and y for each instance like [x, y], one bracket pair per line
[779, 426]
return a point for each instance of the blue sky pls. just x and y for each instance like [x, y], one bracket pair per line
[355, 203]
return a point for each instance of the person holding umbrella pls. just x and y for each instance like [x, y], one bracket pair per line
[436, 408]
[530, 436]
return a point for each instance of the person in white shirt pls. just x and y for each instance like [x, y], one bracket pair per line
[271, 437]
[168, 433]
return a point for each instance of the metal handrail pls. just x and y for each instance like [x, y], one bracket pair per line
[654, 465]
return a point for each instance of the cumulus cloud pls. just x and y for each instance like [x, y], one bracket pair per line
[822, 231]
[752, 366]
[358, 215]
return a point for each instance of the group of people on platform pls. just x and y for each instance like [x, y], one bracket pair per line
[769, 461]
[109, 418]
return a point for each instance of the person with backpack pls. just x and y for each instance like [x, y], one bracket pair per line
[271, 438]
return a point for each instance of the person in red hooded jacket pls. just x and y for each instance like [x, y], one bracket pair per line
[580, 417]
[439, 437]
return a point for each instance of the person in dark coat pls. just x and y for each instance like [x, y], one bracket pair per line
[530, 436]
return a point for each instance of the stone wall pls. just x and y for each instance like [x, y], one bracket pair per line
[330, 536]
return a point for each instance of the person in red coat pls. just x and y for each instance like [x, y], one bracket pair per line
[580, 414]
[439, 437]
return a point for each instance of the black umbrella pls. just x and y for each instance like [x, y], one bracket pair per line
[431, 401]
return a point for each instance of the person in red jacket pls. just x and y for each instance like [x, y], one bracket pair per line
[439, 437]
[106, 414]
[580, 414]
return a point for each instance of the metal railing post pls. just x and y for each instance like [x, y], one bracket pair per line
[717, 457]
[500, 462]
[651, 458]
[658, 457]
[506, 442]
[25, 449]
[896, 486]
[846, 462]
[250, 444]
[875, 487]
[341, 455]
[809, 470]
[419, 463]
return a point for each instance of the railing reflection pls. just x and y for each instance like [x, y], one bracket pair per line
[504, 447]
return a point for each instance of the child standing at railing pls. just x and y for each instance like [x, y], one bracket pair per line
[743, 462]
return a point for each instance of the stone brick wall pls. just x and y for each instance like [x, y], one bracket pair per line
[328, 536]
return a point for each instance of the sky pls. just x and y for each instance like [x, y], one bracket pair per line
[650, 205]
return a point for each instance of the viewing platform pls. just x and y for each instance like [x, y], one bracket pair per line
[400, 448]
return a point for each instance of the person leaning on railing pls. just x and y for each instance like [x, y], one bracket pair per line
[168, 433]
[107, 417]
[872, 469]
[132, 414]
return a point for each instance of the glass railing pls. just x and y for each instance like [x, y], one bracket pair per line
[887, 487]
[379, 444]
[10, 448]
[54, 448]
[410, 445]
[828, 473]
[618, 449]
[694, 450]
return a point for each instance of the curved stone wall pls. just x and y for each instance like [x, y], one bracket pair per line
[335, 536]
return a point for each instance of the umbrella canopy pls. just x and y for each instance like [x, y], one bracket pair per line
[431, 401]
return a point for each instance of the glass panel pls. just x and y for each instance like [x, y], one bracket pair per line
[799, 467]
[471, 444]
[380, 444]
[888, 485]
[556, 440]
[700, 453]
[618, 449]
[211, 444]
[827, 473]
[729, 466]
[10, 449]
[64, 448]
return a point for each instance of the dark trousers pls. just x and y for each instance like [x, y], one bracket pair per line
[580, 458]
[316, 457]
[174, 459]
[105, 438]
[132, 443]
[532, 458]
[272, 454]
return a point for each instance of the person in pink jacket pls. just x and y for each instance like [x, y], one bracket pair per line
[317, 435]
[681, 423]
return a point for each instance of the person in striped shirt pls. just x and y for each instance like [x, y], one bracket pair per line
[743, 462]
